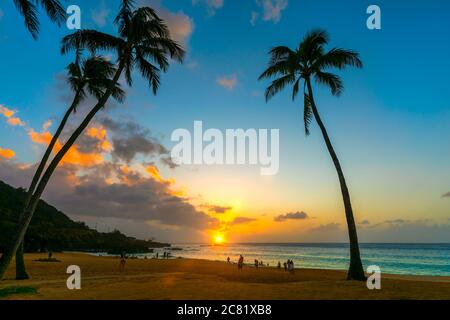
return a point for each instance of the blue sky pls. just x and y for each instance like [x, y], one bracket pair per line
[390, 127]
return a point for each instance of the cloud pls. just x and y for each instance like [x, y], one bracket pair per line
[211, 5]
[271, 10]
[365, 222]
[216, 209]
[109, 190]
[254, 18]
[228, 82]
[87, 152]
[130, 139]
[396, 221]
[446, 195]
[331, 227]
[180, 25]
[100, 15]
[7, 153]
[291, 216]
[242, 220]
[10, 118]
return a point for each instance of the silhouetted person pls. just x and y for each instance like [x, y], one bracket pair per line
[279, 265]
[123, 260]
[256, 264]
[285, 266]
[228, 260]
[240, 262]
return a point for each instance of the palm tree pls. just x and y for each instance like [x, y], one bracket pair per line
[91, 76]
[144, 43]
[298, 66]
[29, 8]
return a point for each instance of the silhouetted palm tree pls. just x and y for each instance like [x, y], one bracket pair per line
[29, 8]
[144, 43]
[296, 67]
[91, 76]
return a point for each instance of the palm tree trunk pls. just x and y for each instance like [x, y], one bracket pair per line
[355, 271]
[23, 225]
[21, 273]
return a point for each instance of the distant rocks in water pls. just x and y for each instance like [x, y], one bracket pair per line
[175, 249]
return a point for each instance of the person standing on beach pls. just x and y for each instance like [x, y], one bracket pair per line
[123, 260]
[279, 265]
[240, 262]
[228, 260]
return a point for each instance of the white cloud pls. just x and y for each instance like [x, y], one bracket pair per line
[211, 5]
[254, 18]
[100, 16]
[228, 82]
[271, 10]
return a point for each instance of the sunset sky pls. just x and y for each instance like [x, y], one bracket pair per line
[390, 128]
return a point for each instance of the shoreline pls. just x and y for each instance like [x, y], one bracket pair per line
[404, 276]
[195, 279]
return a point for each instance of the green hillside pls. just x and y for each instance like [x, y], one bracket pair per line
[51, 229]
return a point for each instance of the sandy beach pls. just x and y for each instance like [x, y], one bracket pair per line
[199, 280]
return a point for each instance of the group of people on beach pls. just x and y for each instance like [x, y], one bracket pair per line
[166, 255]
[288, 265]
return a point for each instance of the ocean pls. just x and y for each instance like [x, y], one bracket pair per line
[410, 259]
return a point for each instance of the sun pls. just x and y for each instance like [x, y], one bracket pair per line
[218, 239]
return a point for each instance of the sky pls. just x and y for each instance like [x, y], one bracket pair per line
[390, 128]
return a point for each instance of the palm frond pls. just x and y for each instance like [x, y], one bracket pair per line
[91, 40]
[29, 12]
[330, 80]
[167, 45]
[311, 42]
[149, 72]
[279, 53]
[124, 15]
[279, 69]
[54, 10]
[278, 85]
[338, 58]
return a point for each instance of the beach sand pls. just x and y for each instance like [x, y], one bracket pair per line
[186, 279]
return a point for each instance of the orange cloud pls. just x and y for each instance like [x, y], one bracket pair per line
[40, 137]
[7, 153]
[100, 134]
[9, 115]
[73, 156]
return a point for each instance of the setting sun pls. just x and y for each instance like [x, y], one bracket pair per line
[219, 239]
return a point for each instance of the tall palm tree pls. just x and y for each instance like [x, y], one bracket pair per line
[29, 9]
[91, 76]
[143, 43]
[298, 67]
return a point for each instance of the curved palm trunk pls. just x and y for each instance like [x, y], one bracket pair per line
[21, 273]
[355, 271]
[23, 226]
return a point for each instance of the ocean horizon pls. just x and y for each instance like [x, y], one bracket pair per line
[430, 259]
